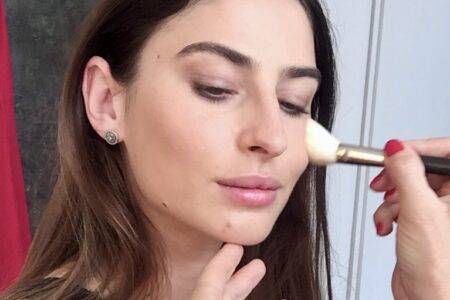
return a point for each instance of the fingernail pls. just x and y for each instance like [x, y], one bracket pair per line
[392, 147]
[389, 193]
[379, 228]
[376, 179]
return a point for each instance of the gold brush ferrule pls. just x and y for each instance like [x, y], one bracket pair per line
[352, 154]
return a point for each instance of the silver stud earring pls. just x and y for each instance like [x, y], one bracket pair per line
[111, 137]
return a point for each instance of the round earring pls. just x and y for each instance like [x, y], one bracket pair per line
[111, 137]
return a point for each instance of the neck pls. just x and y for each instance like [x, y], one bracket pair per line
[188, 252]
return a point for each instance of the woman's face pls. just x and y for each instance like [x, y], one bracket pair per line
[180, 143]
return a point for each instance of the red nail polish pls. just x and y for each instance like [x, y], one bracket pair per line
[392, 147]
[389, 193]
[379, 228]
[376, 179]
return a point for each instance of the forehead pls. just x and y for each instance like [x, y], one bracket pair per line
[273, 32]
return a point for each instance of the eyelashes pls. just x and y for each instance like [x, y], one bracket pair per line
[217, 94]
[212, 93]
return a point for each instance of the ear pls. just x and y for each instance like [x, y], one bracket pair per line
[104, 98]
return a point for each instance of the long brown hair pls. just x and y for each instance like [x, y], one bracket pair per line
[93, 219]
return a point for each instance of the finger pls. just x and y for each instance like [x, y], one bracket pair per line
[437, 181]
[442, 187]
[384, 216]
[245, 280]
[382, 182]
[391, 196]
[218, 271]
[432, 146]
[407, 172]
[436, 147]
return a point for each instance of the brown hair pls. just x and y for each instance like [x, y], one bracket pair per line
[93, 219]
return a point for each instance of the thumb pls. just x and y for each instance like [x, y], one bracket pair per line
[215, 275]
[405, 168]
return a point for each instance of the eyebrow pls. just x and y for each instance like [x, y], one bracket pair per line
[246, 61]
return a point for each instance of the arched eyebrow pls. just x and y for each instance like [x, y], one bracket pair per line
[242, 60]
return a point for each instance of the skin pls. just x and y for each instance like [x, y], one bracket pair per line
[420, 205]
[179, 143]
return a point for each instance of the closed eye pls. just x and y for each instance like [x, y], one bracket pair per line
[212, 93]
[294, 110]
[218, 94]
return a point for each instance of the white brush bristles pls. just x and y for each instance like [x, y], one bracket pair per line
[320, 144]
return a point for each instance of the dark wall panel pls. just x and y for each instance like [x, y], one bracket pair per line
[41, 34]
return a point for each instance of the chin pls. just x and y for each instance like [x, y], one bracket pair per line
[247, 237]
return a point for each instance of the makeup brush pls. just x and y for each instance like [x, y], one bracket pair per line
[323, 149]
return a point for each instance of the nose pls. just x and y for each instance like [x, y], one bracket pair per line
[263, 131]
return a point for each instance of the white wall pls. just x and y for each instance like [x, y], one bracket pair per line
[393, 64]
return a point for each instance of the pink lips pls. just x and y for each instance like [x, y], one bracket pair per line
[251, 190]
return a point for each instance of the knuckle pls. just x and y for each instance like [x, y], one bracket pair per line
[408, 163]
[407, 159]
[385, 212]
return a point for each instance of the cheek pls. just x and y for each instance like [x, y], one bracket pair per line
[172, 145]
[301, 159]
[296, 157]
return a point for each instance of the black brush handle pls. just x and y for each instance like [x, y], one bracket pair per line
[436, 165]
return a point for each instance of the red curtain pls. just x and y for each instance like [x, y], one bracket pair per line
[14, 228]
